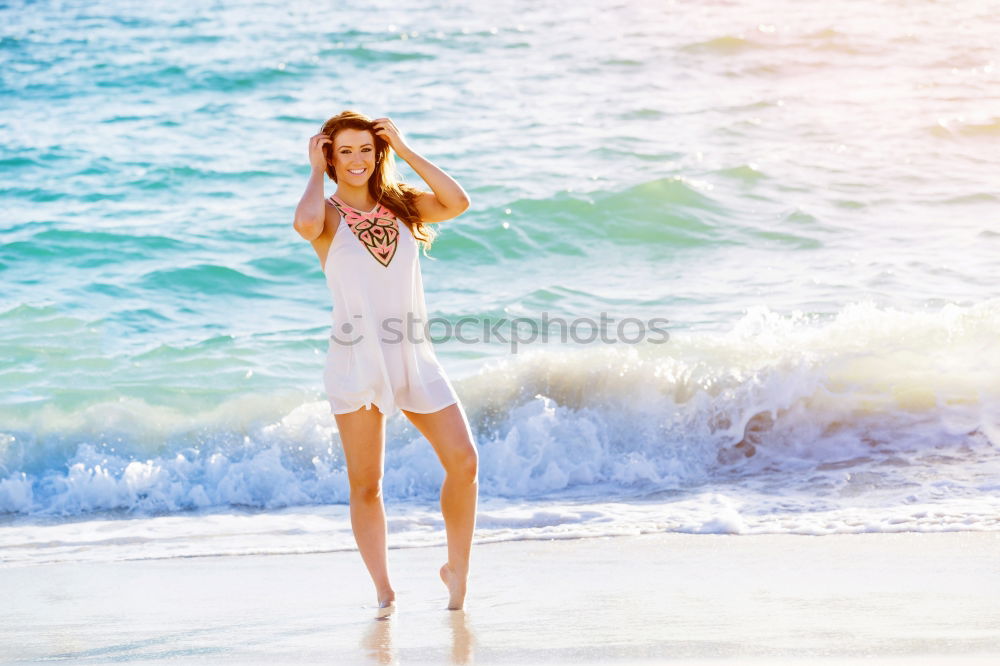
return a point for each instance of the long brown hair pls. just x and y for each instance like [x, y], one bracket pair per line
[384, 184]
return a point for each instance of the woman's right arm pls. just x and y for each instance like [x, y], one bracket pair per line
[310, 214]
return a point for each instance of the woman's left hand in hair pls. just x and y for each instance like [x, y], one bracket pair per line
[387, 130]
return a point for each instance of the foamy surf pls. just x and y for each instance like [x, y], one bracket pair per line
[873, 420]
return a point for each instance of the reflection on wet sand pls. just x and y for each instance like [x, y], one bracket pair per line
[377, 639]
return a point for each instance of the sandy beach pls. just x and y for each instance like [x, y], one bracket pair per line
[663, 598]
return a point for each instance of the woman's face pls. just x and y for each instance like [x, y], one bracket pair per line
[354, 156]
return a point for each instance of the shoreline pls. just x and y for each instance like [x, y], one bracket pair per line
[677, 598]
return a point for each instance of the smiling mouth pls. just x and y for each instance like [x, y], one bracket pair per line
[356, 172]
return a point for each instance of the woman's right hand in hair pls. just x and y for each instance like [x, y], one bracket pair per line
[316, 157]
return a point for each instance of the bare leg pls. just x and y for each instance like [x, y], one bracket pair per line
[448, 432]
[362, 435]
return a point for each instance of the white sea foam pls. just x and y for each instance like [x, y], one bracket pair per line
[874, 421]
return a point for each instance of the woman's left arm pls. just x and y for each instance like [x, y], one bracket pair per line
[447, 200]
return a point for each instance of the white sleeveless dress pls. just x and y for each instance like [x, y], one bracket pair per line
[373, 273]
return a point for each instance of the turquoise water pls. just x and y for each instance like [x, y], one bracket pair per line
[807, 193]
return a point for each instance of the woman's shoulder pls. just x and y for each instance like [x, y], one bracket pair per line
[332, 215]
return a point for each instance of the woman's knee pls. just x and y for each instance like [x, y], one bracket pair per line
[464, 465]
[366, 491]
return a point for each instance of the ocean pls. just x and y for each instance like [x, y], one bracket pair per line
[771, 227]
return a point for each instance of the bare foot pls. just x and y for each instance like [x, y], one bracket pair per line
[456, 587]
[386, 604]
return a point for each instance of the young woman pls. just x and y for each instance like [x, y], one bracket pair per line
[366, 236]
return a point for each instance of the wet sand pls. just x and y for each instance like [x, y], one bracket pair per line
[666, 598]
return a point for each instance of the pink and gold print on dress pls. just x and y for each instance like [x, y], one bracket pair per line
[377, 230]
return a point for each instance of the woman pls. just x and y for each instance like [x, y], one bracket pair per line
[366, 236]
